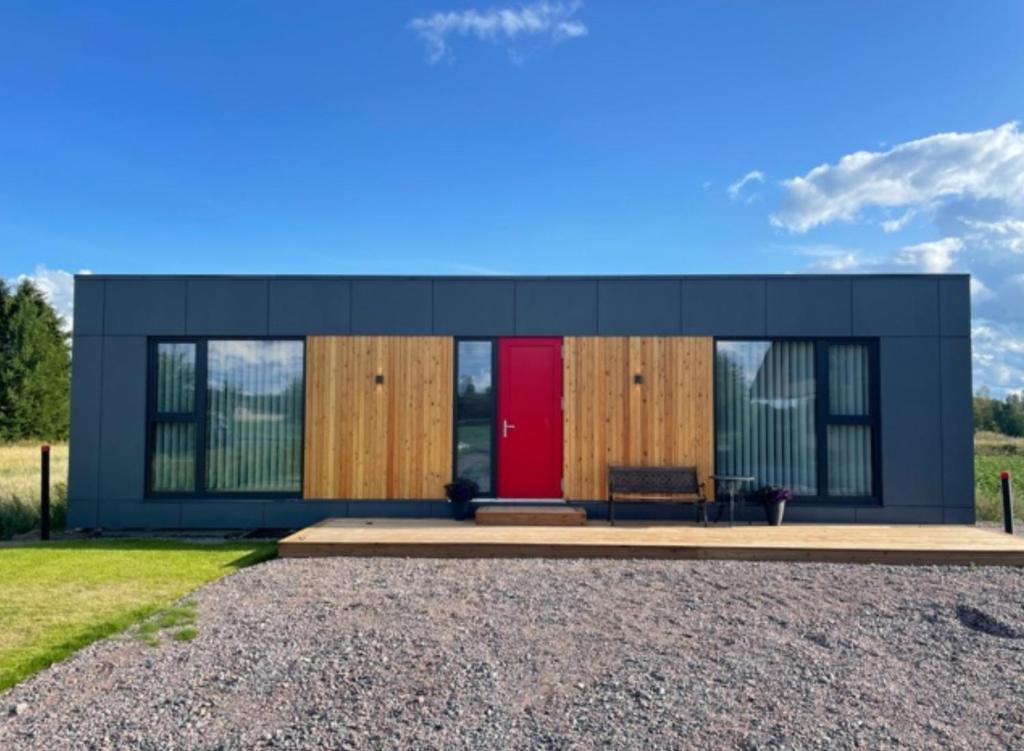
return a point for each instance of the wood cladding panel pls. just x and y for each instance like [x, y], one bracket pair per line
[366, 440]
[668, 419]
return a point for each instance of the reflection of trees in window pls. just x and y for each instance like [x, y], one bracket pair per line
[765, 425]
[474, 413]
[254, 416]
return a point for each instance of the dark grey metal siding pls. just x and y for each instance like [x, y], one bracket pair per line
[922, 324]
[724, 307]
[315, 306]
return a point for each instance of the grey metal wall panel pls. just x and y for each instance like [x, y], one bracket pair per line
[911, 430]
[809, 307]
[227, 307]
[402, 509]
[144, 307]
[724, 307]
[901, 515]
[816, 514]
[955, 306]
[392, 306]
[895, 307]
[222, 514]
[957, 423]
[123, 419]
[138, 514]
[638, 307]
[84, 446]
[556, 307]
[474, 307]
[296, 514]
[300, 307]
[88, 306]
[958, 515]
[82, 513]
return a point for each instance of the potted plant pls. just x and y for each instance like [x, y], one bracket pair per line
[461, 492]
[774, 498]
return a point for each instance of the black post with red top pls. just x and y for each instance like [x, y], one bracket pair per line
[44, 494]
[1004, 478]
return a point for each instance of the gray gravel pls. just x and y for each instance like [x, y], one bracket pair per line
[391, 653]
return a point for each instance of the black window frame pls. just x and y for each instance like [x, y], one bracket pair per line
[493, 341]
[823, 417]
[198, 417]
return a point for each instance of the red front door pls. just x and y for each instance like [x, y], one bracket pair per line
[530, 417]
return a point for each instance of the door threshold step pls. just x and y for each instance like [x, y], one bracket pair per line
[531, 516]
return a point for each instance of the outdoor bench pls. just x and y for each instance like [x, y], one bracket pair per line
[658, 485]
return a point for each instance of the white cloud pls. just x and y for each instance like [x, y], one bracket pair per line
[57, 286]
[895, 225]
[998, 354]
[935, 257]
[832, 258]
[754, 176]
[553, 20]
[1005, 233]
[983, 165]
[979, 291]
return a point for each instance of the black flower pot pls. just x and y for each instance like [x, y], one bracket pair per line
[461, 493]
[774, 511]
[462, 510]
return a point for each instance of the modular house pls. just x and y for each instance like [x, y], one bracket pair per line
[277, 401]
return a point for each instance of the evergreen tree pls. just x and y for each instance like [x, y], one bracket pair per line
[35, 368]
[5, 355]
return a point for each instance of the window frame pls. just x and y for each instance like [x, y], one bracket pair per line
[493, 341]
[823, 417]
[199, 418]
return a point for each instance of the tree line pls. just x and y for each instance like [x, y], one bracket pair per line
[35, 366]
[1004, 416]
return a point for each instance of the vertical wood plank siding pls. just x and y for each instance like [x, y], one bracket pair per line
[666, 419]
[378, 441]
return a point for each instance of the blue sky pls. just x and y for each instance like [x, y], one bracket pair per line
[467, 137]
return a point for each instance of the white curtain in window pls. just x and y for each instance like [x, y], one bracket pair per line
[765, 413]
[849, 446]
[254, 415]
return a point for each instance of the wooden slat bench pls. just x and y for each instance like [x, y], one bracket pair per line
[658, 485]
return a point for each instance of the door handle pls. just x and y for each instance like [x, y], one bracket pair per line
[505, 427]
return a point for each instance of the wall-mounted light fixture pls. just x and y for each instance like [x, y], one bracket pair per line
[638, 378]
[378, 379]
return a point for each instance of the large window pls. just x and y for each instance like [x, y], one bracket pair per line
[474, 412]
[226, 417]
[798, 413]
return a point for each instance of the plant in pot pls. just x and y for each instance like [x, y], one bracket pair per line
[461, 492]
[774, 498]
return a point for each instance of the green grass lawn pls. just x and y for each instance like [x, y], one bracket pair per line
[56, 598]
[992, 454]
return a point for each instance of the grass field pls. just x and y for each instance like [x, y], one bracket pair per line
[56, 598]
[19, 487]
[992, 454]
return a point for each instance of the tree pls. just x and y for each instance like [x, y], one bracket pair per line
[985, 410]
[35, 368]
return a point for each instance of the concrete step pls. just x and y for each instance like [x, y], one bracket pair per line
[531, 516]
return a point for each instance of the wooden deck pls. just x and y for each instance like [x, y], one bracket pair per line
[437, 538]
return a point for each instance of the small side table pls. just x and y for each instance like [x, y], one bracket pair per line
[732, 484]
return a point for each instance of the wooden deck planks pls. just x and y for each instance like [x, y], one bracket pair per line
[435, 538]
[512, 516]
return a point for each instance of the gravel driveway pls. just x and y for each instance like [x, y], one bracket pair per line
[391, 653]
